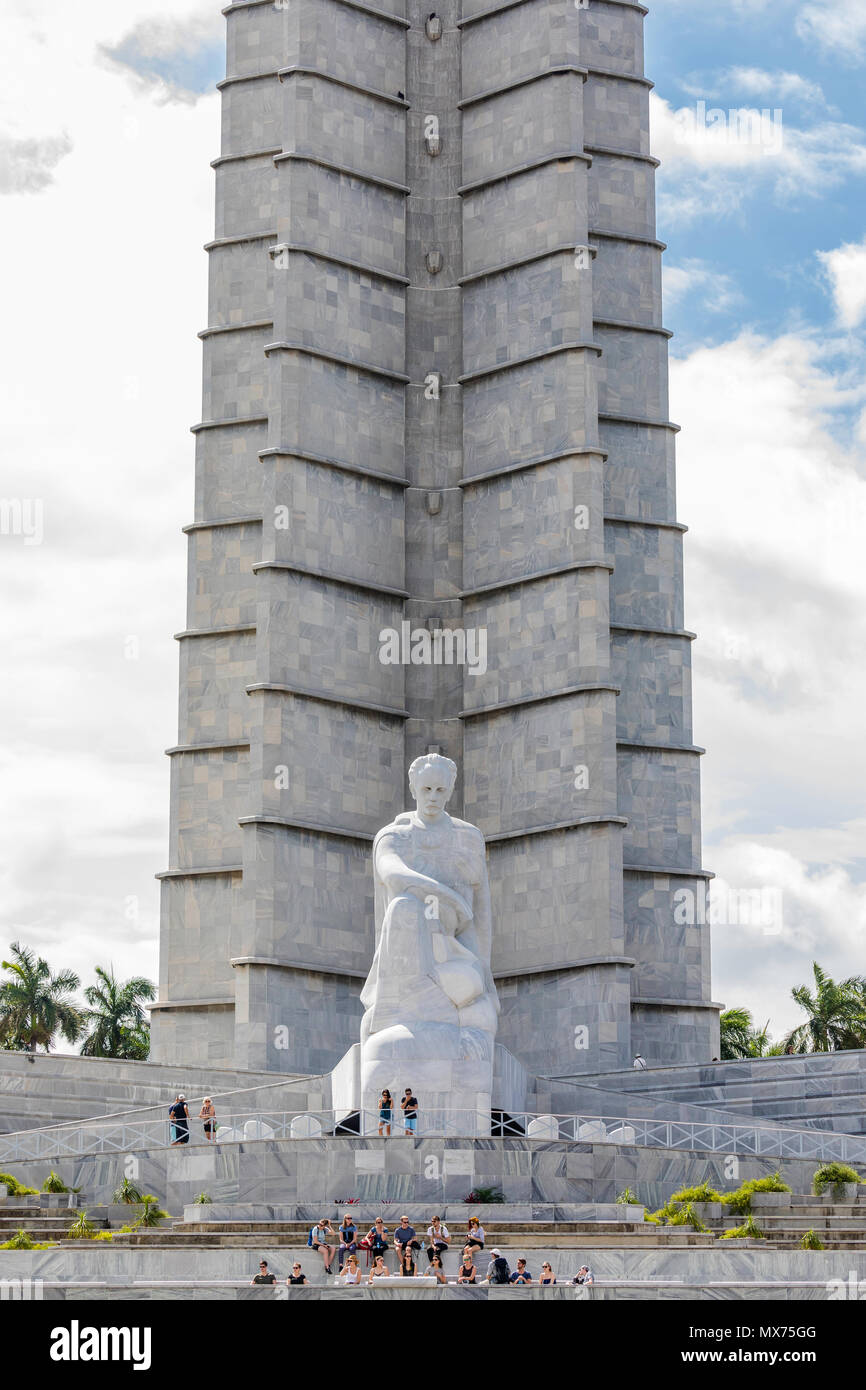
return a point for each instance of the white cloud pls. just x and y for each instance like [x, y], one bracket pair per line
[701, 283]
[838, 27]
[27, 166]
[171, 56]
[774, 588]
[713, 160]
[846, 271]
[772, 87]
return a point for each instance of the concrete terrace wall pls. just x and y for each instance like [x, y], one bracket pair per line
[824, 1091]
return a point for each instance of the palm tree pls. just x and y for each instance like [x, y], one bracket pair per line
[115, 1018]
[35, 1005]
[836, 1014]
[735, 1027]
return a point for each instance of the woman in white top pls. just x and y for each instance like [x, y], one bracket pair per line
[379, 1270]
[351, 1273]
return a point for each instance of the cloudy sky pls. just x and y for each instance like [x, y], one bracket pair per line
[108, 121]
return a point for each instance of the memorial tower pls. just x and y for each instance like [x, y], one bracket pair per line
[435, 402]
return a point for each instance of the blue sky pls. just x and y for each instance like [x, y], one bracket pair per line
[106, 196]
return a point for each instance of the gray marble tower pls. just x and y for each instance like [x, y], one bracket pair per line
[435, 399]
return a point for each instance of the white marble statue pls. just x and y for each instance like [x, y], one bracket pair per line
[431, 1004]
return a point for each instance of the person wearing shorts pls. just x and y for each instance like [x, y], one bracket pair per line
[208, 1115]
[386, 1107]
[409, 1106]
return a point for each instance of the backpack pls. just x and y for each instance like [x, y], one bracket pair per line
[310, 1236]
[501, 1272]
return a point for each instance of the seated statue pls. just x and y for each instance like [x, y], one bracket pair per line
[431, 1004]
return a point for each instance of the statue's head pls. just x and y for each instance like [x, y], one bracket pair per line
[432, 779]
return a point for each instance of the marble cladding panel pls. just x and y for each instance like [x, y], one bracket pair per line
[627, 281]
[344, 127]
[520, 127]
[525, 215]
[532, 411]
[621, 196]
[660, 794]
[214, 672]
[435, 225]
[434, 528]
[248, 193]
[221, 586]
[199, 918]
[235, 374]
[228, 474]
[524, 311]
[252, 116]
[542, 638]
[521, 766]
[646, 586]
[434, 437]
[241, 282]
[556, 897]
[517, 43]
[633, 373]
[333, 522]
[309, 899]
[341, 765]
[326, 637]
[294, 1019]
[343, 42]
[337, 412]
[209, 792]
[201, 1037]
[341, 216]
[639, 476]
[616, 114]
[336, 310]
[673, 955]
[611, 36]
[654, 676]
[568, 1018]
[534, 519]
[690, 1035]
[432, 334]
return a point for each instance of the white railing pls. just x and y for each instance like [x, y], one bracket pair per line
[128, 1137]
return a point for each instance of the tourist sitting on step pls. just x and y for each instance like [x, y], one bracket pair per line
[584, 1276]
[347, 1233]
[437, 1271]
[407, 1263]
[475, 1234]
[547, 1274]
[379, 1271]
[376, 1239]
[297, 1275]
[264, 1275]
[405, 1237]
[438, 1238]
[352, 1273]
[498, 1271]
[323, 1239]
[521, 1275]
[467, 1273]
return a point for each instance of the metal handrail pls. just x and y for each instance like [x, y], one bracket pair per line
[746, 1139]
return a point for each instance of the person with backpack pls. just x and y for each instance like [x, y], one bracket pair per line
[498, 1271]
[319, 1238]
[180, 1121]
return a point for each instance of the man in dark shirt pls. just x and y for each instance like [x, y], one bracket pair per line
[405, 1236]
[409, 1106]
[521, 1275]
[264, 1275]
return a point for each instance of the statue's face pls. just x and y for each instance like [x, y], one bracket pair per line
[432, 790]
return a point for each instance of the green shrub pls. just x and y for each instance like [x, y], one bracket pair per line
[687, 1216]
[835, 1176]
[673, 1213]
[22, 1241]
[740, 1202]
[55, 1184]
[203, 1199]
[811, 1242]
[748, 1230]
[651, 1216]
[17, 1189]
[81, 1228]
[486, 1196]
[151, 1214]
[127, 1194]
[628, 1199]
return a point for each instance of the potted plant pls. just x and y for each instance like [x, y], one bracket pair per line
[841, 1181]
